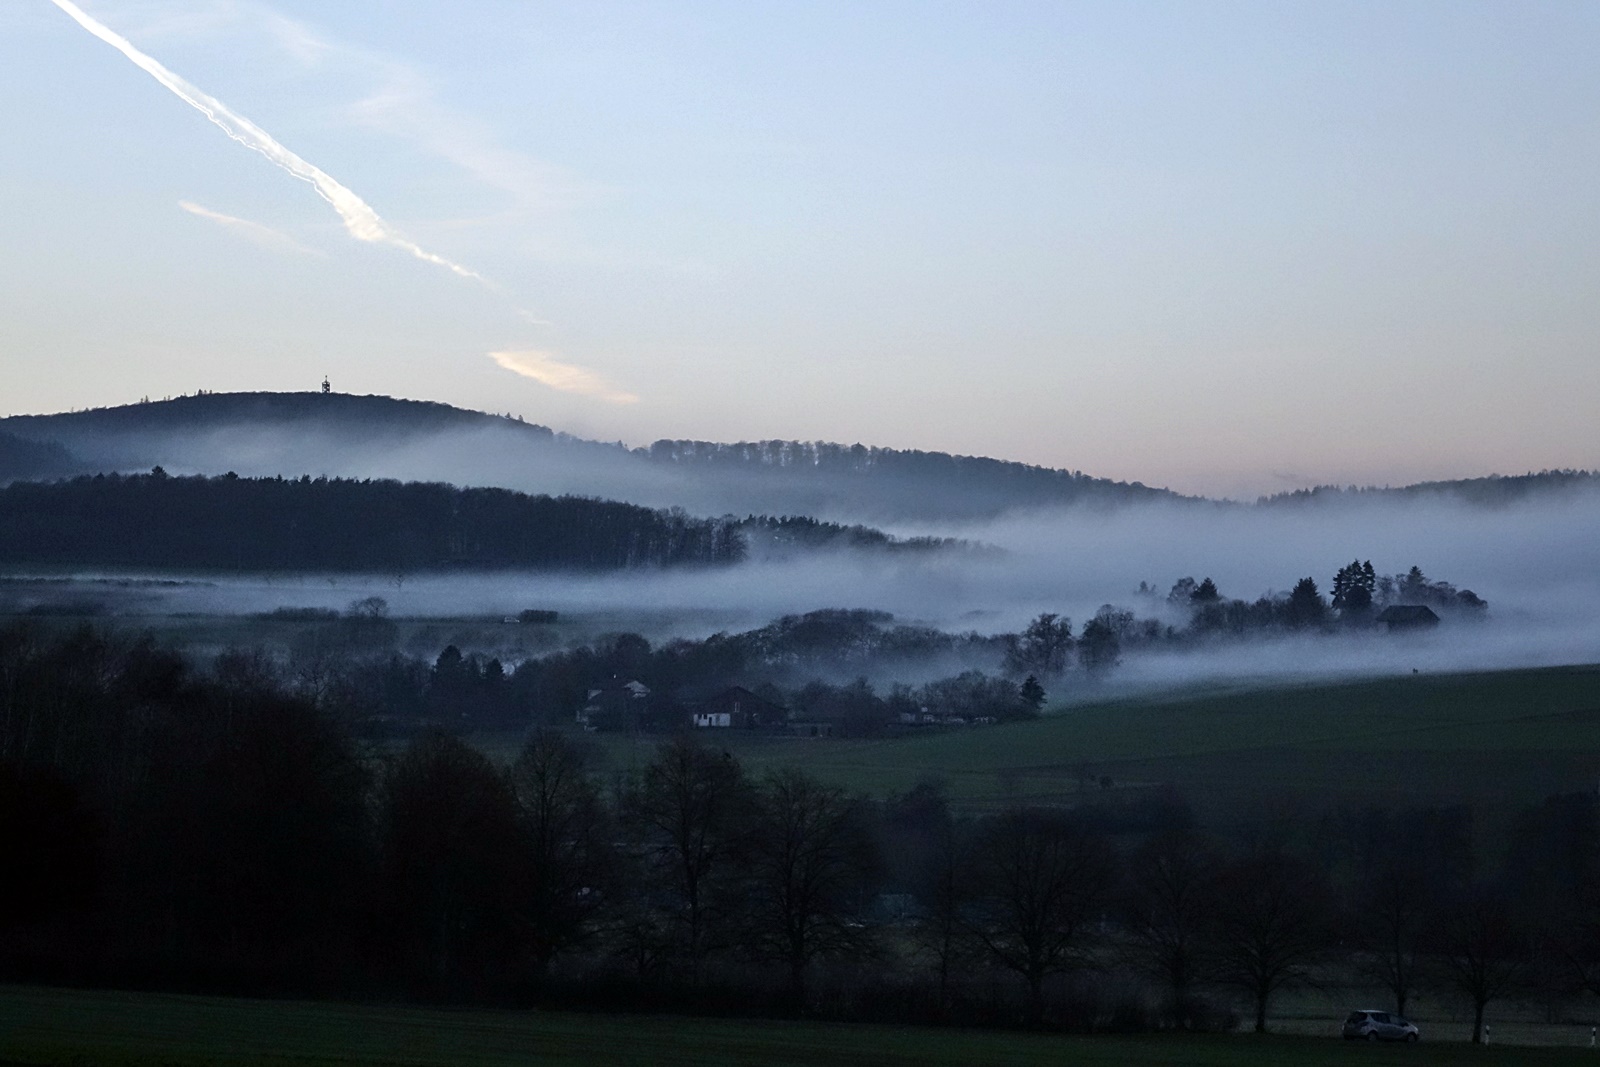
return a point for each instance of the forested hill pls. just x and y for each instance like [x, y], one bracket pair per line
[21, 458]
[306, 524]
[900, 479]
[380, 415]
[329, 525]
[340, 435]
[1492, 491]
[377, 437]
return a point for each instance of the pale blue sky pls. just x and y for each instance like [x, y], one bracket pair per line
[1224, 247]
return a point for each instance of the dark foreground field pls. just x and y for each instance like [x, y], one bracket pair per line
[54, 1027]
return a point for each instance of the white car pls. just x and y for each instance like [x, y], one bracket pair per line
[1373, 1025]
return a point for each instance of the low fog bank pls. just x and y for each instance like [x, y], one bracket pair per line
[340, 435]
[491, 457]
[1537, 565]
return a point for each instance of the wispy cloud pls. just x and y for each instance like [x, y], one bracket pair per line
[401, 101]
[405, 106]
[255, 232]
[545, 369]
[360, 220]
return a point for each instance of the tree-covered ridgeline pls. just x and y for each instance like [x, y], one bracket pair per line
[1494, 490]
[772, 475]
[25, 459]
[905, 478]
[335, 524]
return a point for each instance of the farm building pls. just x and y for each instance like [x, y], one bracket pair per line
[736, 708]
[615, 705]
[1408, 617]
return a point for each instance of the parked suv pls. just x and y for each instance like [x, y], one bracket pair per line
[1379, 1026]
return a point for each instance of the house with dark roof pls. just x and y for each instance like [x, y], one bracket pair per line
[1408, 617]
[736, 708]
[615, 705]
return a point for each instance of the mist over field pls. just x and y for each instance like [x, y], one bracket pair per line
[1537, 564]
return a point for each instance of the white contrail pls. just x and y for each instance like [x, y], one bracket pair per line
[360, 220]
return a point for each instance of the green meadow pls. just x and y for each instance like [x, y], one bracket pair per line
[1492, 740]
[54, 1028]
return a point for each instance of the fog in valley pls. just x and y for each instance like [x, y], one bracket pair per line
[1537, 563]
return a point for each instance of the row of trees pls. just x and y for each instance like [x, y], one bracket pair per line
[796, 660]
[21, 458]
[896, 482]
[209, 830]
[350, 663]
[322, 524]
[1358, 589]
[1495, 490]
[1193, 612]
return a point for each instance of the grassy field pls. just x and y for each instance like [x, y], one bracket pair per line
[59, 1027]
[1496, 740]
[1499, 738]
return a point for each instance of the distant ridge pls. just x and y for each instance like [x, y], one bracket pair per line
[1490, 490]
[23, 459]
[381, 414]
[365, 436]
[346, 435]
[989, 486]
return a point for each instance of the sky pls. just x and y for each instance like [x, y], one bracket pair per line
[1229, 248]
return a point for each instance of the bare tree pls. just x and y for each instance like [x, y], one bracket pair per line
[451, 853]
[1407, 863]
[1041, 877]
[1570, 939]
[566, 829]
[945, 892]
[811, 865]
[1482, 950]
[927, 854]
[1272, 923]
[692, 806]
[1171, 879]
[1396, 904]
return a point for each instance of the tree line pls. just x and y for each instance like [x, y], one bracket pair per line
[1196, 613]
[22, 459]
[843, 666]
[905, 482]
[210, 830]
[335, 524]
[813, 665]
[1495, 490]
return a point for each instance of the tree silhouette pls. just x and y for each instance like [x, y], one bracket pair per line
[1483, 950]
[566, 829]
[1306, 607]
[691, 806]
[452, 861]
[1271, 924]
[810, 868]
[1043, 648]
[1040, 879]
[1170, 906]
